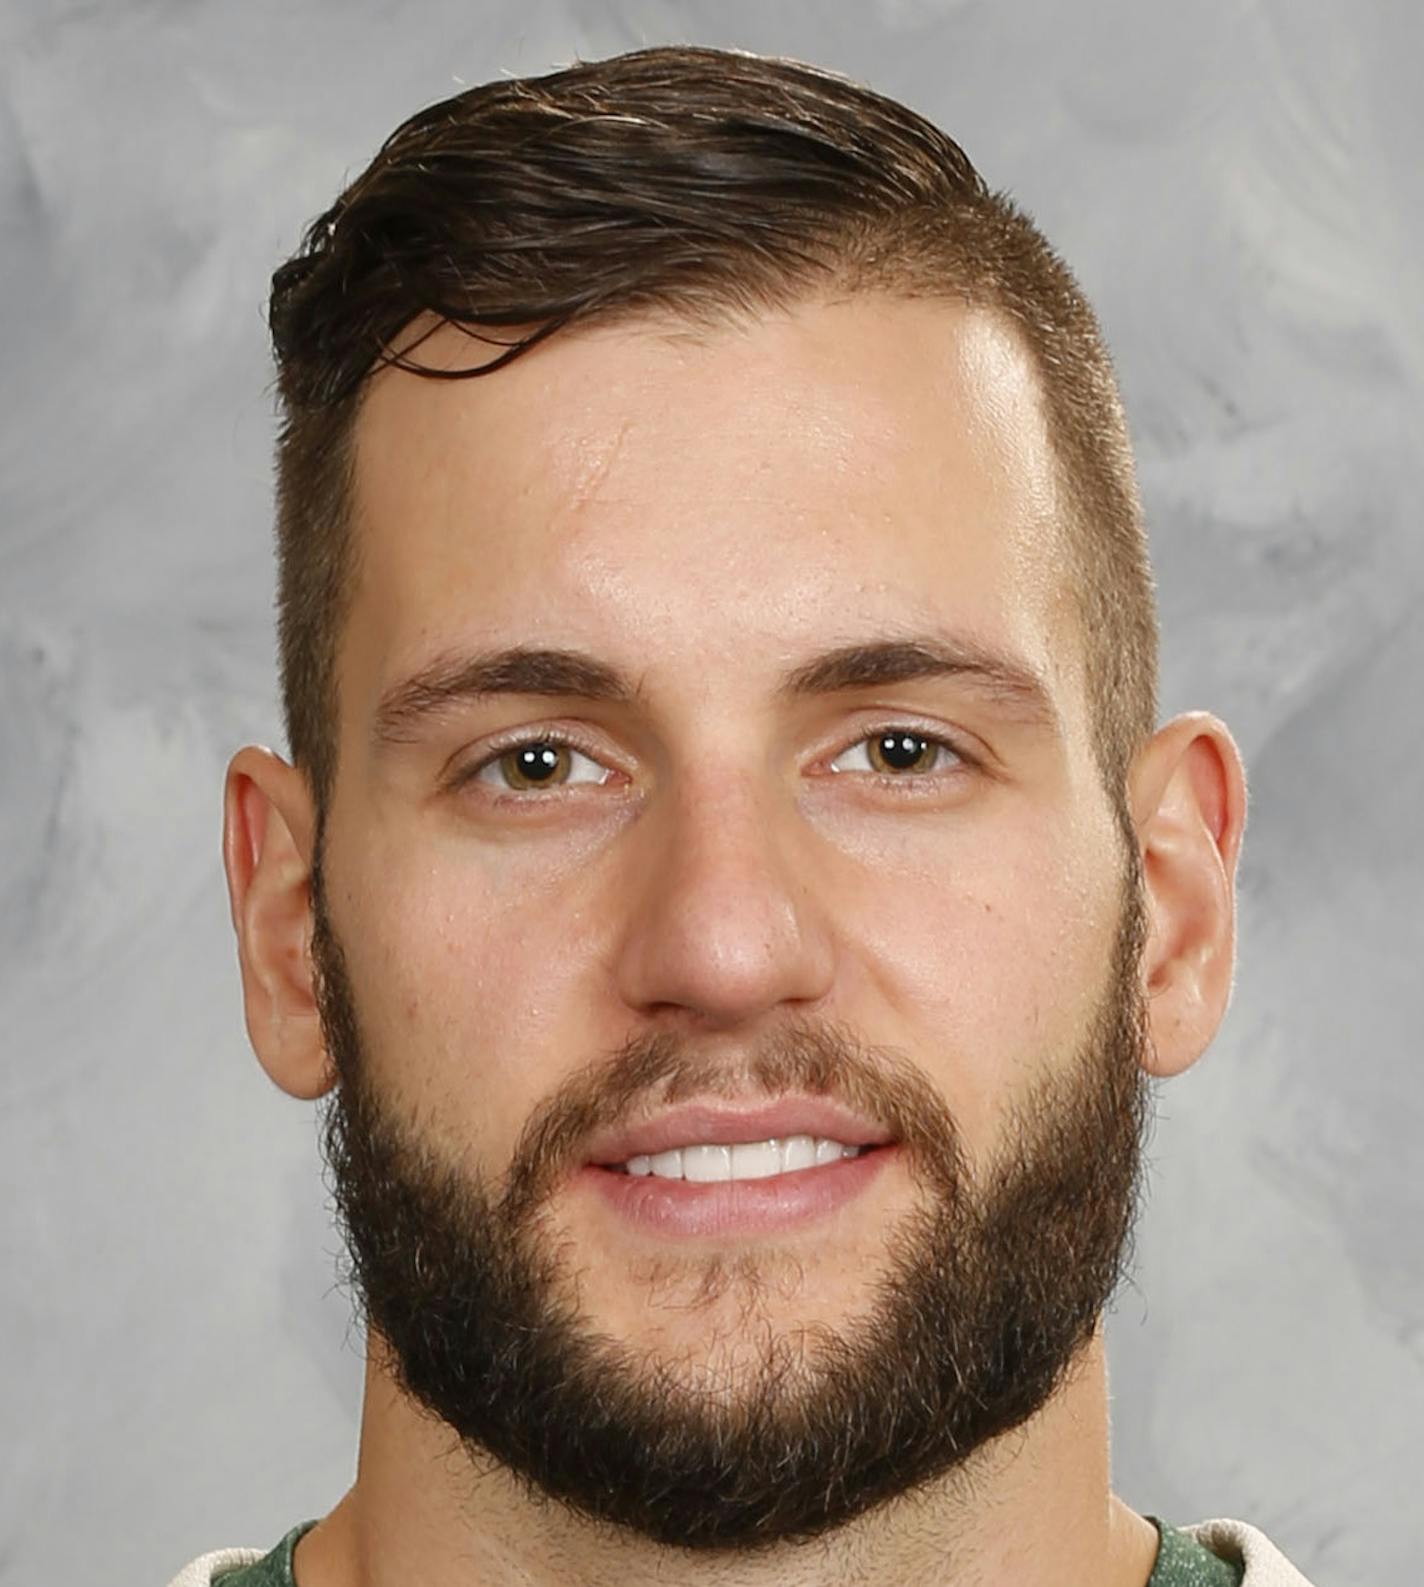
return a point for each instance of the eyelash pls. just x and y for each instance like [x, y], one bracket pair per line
[566, 740]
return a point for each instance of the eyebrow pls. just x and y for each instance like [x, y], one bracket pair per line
[1014, 687]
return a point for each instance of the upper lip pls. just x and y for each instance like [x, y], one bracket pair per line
[725, 1124]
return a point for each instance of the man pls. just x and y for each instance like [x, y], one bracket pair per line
[730, 883]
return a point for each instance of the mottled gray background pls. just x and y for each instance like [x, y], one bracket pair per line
[1238, 186]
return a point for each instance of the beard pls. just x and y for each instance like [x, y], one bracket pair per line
[986, 1295]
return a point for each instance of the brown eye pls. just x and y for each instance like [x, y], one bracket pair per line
[894, 754]
[542, 765]
[902, 752]
[903, 755]
[535, 763]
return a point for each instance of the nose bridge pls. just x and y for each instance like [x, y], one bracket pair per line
[724, 921]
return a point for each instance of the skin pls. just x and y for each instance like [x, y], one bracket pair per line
[704, 511]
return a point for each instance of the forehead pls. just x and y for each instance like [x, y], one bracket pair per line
[711, 498]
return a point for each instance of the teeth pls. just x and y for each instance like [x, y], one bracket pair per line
[800, 1152]
[704, 1165]
[756, 1160]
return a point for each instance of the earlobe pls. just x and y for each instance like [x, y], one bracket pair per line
[268, 836]
[1189, 805]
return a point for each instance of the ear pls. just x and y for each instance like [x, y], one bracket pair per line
[268, 843]
[1188, 794]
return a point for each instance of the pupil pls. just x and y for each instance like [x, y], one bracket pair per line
[535, 760]
[902, 750]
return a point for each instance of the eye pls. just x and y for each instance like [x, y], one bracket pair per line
[902, 754]
[533, 763]
[552, 760]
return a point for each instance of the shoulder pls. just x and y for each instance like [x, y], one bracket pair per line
[1238, 1541]
[202, 1570]
[244, 1567]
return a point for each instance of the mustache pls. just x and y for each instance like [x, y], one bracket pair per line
[817, 1059]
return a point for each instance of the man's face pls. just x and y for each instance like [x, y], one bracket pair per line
[894, 912]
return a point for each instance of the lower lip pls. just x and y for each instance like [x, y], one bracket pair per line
[679, 1208]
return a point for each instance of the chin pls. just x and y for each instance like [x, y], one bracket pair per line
[721, 1313]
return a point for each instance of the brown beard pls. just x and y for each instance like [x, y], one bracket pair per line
[987, 1296]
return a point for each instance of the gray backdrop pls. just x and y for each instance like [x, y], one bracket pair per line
[1238, 186]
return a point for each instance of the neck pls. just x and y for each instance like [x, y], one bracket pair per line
[1033, 1509]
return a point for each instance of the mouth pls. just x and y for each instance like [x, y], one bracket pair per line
[712, 1169]
[709, 1141]
[710, 1163]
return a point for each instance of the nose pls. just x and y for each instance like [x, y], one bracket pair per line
[724, 922]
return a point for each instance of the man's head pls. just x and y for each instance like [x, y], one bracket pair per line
[738, 727]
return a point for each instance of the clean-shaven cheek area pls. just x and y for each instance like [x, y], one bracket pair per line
[971, 939]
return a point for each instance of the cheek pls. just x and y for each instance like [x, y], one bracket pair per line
[457, 990]
[991, 961]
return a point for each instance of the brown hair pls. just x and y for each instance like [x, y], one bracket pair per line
[705, 183]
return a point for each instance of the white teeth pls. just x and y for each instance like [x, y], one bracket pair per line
[799, 1152]
[705, 1164]
[702, 1165]
[756, 1160]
